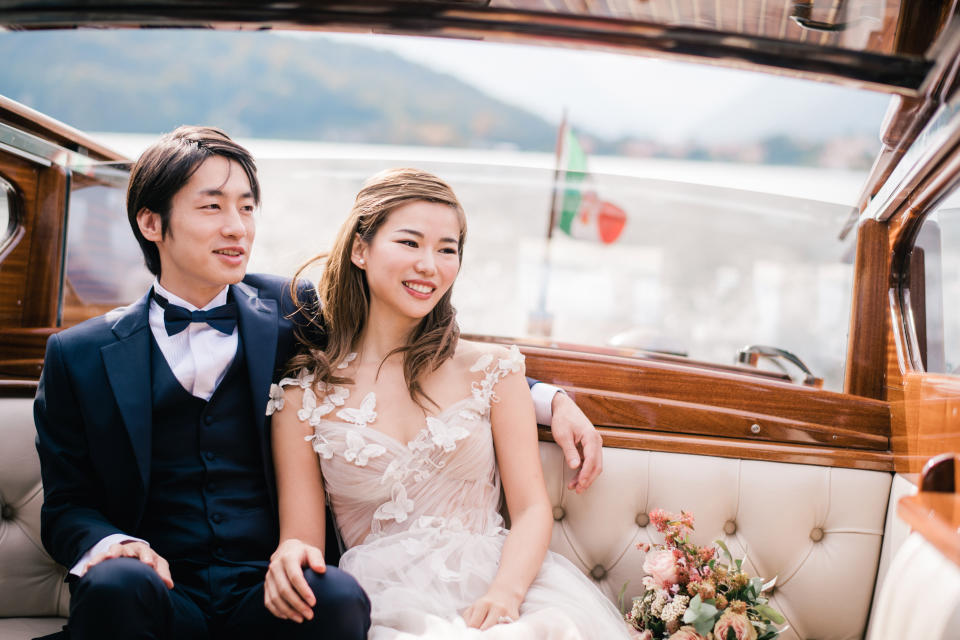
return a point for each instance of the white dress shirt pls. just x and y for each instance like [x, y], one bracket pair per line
[200, 355]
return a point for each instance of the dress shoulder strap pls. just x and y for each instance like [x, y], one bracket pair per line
[495, 369]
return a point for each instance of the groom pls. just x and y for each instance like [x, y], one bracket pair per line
[155, 452]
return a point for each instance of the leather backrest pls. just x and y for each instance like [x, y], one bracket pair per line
[31, 583]
[818, 529]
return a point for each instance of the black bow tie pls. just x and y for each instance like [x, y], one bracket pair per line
[176, 319]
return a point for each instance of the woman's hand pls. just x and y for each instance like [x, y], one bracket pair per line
[286, 593]
[495, 607]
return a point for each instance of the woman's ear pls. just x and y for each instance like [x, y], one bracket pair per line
[150, 224]
[358, 254]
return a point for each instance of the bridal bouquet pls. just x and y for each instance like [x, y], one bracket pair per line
[694, 593]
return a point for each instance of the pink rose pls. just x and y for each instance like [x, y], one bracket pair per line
[738, 622]
[662, 567]
[686, 633]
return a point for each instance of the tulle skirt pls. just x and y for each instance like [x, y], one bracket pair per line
[421, 580]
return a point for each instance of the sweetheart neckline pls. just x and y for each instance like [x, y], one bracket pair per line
[404, 445]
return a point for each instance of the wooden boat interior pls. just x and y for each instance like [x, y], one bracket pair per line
[849, 496]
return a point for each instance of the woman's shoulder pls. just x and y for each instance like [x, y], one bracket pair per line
[477, 356]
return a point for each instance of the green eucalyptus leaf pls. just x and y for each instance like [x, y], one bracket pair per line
[770, 613]
[700, 614]
[726, 551]
[620, 599]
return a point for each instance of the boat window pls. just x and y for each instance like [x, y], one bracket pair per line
[8, 222]
[696, 210]
[933, 292]
[104, 266]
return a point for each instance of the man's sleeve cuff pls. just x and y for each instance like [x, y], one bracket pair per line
[543, 394]
[115, 538]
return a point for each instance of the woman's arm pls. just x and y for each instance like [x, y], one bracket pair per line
[300, 499]
[518, 458]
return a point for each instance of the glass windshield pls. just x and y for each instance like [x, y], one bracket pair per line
[621, 204]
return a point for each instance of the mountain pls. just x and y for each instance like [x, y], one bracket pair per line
[254, 85]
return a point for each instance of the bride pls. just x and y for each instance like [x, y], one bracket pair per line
[412, 431]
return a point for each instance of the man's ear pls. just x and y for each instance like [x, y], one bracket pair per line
[358, 254]
[150, 225]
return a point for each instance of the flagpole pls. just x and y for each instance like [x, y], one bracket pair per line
[541, 322]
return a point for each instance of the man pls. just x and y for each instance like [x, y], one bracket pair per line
[155, 453]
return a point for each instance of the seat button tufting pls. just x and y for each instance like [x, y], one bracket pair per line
[642, 520]
[6, 512]
[817, 534]
[598, 573]
[729, 527]
[559, 513]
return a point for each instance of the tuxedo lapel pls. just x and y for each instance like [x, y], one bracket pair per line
[257, 318]
[127, 362]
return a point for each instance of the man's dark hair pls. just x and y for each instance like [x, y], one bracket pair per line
[165, 167]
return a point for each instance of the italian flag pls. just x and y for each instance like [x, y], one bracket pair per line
[583, 214]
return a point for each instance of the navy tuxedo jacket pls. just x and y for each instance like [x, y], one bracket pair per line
[93, 413]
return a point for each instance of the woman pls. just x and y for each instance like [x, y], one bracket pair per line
[414, 430]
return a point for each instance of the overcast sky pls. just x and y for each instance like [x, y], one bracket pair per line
[617, 95]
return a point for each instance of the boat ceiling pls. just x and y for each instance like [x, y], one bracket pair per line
[886, 45]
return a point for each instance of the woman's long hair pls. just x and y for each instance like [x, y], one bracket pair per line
[344, 295]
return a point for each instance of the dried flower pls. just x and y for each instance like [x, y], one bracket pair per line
[741, 626]
[738, 606]
[721, 602]
[707, 590]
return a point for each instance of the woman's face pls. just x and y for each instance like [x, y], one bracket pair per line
[412, 260]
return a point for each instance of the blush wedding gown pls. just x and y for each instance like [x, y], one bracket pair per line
[421, 523]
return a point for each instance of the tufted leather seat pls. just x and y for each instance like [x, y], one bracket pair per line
[818, 529]
[32, 592]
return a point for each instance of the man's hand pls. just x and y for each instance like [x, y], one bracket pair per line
[286, 593]
[142, 552]
[578, 440]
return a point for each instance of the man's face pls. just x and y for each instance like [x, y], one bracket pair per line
[210, 231]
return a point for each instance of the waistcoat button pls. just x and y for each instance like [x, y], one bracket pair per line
[208, 419]
[209, 455]
[217, 518]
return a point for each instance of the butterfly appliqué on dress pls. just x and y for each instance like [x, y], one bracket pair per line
[321, 445]
[362, 415]
[445, 435]
[359, 452]
[398, 507]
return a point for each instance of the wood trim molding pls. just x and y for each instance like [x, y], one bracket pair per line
[866, 346]
[743, 449]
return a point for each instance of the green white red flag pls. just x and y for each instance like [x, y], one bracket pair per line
[583, 214]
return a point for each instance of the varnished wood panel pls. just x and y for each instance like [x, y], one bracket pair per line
[16, 257]
[659, 414]
[18, 388]
[866, 345]
[740, 393]
[46, 249]
[931, 414]
[744, 449]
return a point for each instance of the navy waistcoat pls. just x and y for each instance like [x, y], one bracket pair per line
[208, 500]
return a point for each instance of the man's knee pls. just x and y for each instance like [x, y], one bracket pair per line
[341, 599]
[120, 598]
[121, 579]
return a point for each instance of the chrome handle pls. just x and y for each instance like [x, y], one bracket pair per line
[751, 354]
